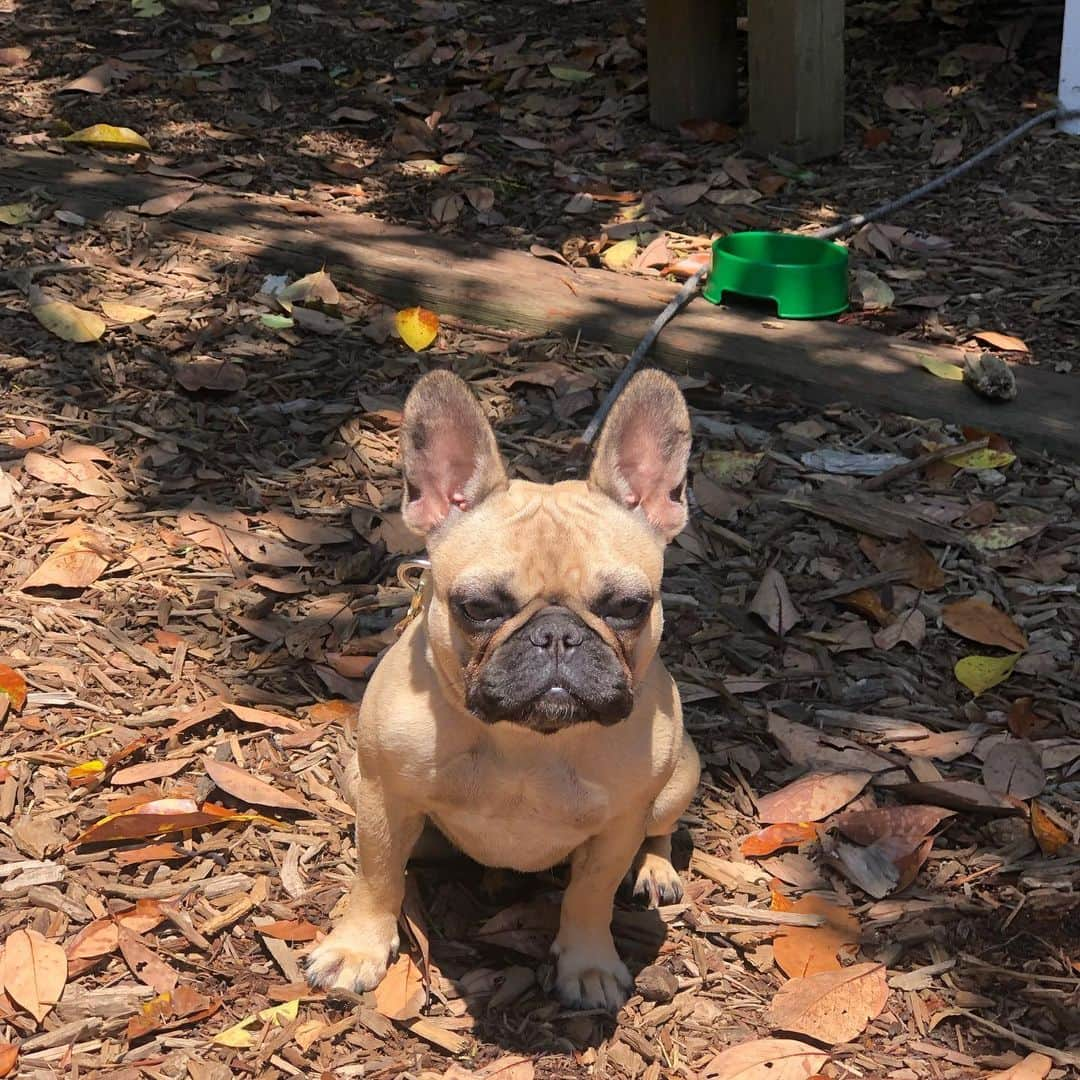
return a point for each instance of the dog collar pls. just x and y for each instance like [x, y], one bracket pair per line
[415, 574]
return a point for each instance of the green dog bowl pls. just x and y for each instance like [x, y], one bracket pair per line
[806, 277]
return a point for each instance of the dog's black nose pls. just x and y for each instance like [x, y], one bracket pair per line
[556, 630]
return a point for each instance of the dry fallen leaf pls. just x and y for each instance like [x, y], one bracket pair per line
[1014, 767]
[785, 834]
[772, 603]
[811, 797]
[902, 822]
[806, 950]
[908, 627]
[126, 314]
[239, 1036]
[1033, 1067]
[33, 972]
[83, 476]
[108, 137]
[417, 327]
[1000, 341]
[250, 789]
[942, 369]
[149, 770]
[180, 1007]
[76, 564]
[982, 673]
[832, 1006]
[13, 686]
[1049, 835]
[979, 621]
[767, 1059]
[401, 994]
[158, 816]
[65, 320]
[9, 1058]
[964, 795]
[164, 204]
[145, 964]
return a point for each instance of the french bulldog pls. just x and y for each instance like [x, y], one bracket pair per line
[526, 713]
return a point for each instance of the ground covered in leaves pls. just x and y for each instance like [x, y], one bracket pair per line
[873, 633]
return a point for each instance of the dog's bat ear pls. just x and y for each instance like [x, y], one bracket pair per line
[643, 449]
[448, 451]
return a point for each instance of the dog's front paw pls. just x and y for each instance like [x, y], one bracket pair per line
[352, 958]
[591, 976]
[657, 882]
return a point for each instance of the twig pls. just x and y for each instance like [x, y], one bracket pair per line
[875, 483]
[742, 913]
[1023, 976]
[1062, 1057]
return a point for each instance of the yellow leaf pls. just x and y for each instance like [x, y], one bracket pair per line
[125, 313]
[981, 673]
[107, 137]
[256, 15]
[982, 459]
[238, 1035]
[67, 321]
[619, 255]
[942, 369]
[417, 326]
[94, 767]
[15, 213]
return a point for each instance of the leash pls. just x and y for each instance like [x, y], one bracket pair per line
[693, 284]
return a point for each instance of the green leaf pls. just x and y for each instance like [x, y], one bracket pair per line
[16, 213]
[256, 15]
[276, 322]
[981, 673]
[942, 369]
[569, 74]
[982, 459]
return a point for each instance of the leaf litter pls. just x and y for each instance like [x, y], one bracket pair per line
[138, 631]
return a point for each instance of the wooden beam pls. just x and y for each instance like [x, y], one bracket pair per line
[693, 61]
[796, 78]
[821, 362]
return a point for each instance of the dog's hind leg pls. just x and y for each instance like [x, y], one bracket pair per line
[654, 879]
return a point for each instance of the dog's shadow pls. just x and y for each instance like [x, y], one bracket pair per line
[489, 933]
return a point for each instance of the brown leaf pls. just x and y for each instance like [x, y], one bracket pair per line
[814, 749]
[289, 930]
[945, 150]
[1024, 722]
[979, 621]
[772, 603]
[908, 627]
[1049, 835]
[911, 556]
[149, 770]
[902, 822]
[885, 866]
[164, 204]
[786, 834]
[1014, 767]
[13, 56]
[13, 686]
[242, 785]
[963, 795]
[184, 1005]
[941, 745]
[307, 530]
[401, 994]
[262, 717]
[84, 477]
[33, 972]
[811, 797]
[833, 1006]
[767, 1059]
[682, 196]
[876, 136]
[1033, 1067]
[77, 563]
[807, 950]
[867, 602]
[160, 816]
[220, 375]
[708, 131]
[145, 965]
[1000, 341]
[9, 1054]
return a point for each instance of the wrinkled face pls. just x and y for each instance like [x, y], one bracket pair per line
[545, 608]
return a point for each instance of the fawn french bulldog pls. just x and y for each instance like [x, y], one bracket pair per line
[526, 713]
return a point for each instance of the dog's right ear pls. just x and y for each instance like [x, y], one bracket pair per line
[448, 450]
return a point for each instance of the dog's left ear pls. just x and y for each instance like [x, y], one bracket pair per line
[643, 449]
[448, 450]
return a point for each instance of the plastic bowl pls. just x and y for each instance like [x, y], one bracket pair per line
[806, 277]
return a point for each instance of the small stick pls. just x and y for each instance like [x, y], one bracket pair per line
[875, 483]
[1062, 1057]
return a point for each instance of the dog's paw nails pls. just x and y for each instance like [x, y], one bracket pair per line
[586, 979]
[355, 962]
[657, 882]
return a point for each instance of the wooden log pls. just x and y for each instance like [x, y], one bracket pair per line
[693, 61]
[796, 78]
[820, 362]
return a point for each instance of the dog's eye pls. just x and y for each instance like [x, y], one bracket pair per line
[624, 610]
[484, 611]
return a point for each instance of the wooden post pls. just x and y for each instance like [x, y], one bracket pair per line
[796, 78]
[692, 61]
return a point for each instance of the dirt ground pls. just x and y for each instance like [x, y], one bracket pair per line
[200, 543]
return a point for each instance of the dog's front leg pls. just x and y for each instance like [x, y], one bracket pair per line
[356, 953]
[590, 974]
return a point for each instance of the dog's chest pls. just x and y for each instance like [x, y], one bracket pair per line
[525, 814]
